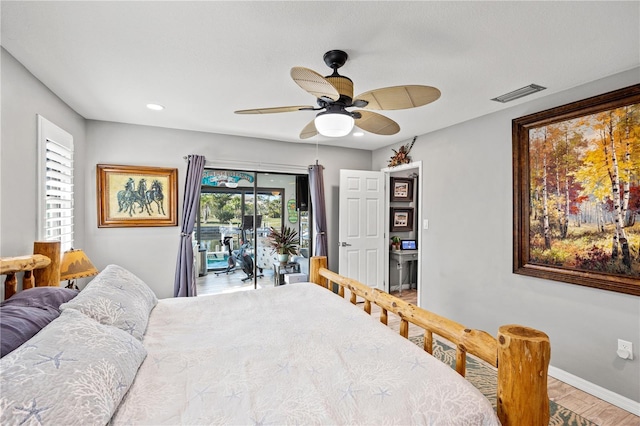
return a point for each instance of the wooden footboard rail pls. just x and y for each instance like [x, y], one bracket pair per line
[521, 354]
[40, 269]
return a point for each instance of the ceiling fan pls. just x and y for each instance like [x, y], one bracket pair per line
[334, 95]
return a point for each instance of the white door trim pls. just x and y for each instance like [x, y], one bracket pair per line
[419, 221]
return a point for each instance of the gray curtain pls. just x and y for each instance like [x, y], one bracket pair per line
[316, 184]
[185, 279]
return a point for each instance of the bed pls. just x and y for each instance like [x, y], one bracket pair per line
[289, 354]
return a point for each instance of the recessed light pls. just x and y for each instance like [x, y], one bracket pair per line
[358, 134]
[155, 107]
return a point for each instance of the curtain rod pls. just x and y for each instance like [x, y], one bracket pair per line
[260, 166]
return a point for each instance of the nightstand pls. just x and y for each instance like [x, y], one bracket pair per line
[280, 270]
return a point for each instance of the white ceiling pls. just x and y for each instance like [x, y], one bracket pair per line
[204, 60]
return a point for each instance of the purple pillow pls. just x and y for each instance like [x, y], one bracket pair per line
[24, 314]
[20, 323]
[50, 297]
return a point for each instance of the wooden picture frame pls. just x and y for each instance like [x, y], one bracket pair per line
[576, 192]
[135, 196]
[401, 219]
[401, 189]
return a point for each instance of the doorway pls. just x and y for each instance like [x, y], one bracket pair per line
[404, 225]
[237, 209]
[370, 217]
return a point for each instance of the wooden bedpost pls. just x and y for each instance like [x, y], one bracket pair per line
[523, 361]
[10, 285]
[9, 266]
[317, 262]
[49, 276]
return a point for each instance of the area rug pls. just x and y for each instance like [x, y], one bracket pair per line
[484, 377]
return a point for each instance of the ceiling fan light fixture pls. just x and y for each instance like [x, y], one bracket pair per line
[334, 125]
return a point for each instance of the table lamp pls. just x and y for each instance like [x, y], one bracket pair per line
[75, 264]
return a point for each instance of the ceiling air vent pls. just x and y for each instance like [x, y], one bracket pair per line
[519, 93]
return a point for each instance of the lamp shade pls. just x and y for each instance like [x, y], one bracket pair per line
[334, 125]
[76, 264]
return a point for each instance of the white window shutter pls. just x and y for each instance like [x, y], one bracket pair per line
[55, 177]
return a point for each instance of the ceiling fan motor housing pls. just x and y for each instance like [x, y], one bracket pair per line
[334, 60]
[344, 86]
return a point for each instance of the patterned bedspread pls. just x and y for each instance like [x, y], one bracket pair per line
[293, 354]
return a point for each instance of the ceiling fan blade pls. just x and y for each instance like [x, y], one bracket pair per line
[376, 123]
[314, 83]
[309, 130]
[399, 97]
[274, 109]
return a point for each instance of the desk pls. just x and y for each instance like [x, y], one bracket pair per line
[401, 257]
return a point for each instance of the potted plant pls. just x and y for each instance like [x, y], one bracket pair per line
[395, 242]
[283, 241]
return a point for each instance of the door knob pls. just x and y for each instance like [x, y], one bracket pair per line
[343, 244]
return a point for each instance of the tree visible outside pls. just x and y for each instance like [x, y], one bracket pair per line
[224, 208]
[219, 208]
[585, 192]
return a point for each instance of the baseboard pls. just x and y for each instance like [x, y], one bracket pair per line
[598, 391]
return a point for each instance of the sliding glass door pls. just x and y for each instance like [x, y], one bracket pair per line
[237, 208]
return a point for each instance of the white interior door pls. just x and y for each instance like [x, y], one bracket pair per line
[362, 229]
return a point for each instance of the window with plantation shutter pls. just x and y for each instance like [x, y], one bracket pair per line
[55, 177]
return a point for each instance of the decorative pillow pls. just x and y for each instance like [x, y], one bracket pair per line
[20, 323]
[75, 371]
[42, 297]
[116, 297]
[26, 313]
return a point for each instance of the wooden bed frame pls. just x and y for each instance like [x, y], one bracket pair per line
[40, 269]
[520, 354]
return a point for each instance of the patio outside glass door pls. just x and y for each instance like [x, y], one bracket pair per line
[237, 208]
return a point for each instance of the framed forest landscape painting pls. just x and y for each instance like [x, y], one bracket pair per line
[576, 175]
[132, 196]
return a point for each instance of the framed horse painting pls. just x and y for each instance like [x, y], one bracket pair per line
[132, 196]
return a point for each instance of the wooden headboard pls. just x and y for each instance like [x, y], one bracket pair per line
[40, 269]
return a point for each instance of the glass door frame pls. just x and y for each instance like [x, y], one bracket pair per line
[256, 190]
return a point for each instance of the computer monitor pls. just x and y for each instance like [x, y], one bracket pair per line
[408, 245]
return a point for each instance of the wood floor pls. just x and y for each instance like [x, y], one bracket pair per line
[582, 403]
[588, 406]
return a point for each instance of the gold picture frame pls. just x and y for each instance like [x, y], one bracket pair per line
[576, 191]
[136, 196]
